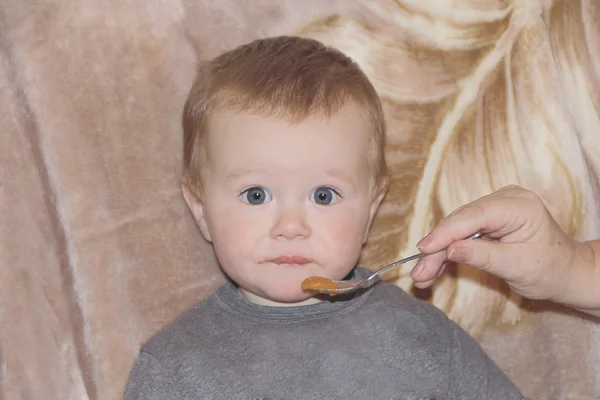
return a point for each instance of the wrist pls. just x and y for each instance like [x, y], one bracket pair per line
[582, 279]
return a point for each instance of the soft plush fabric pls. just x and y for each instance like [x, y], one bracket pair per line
[97, 248]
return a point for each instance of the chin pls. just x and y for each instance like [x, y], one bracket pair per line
[281, 295]
[284, 284]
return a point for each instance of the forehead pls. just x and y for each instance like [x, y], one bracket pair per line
[341, 141]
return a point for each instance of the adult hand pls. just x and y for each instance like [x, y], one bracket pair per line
[522, 244]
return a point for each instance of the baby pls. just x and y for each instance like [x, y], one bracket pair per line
[284, 171]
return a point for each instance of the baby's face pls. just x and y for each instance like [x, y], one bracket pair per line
[282, 201]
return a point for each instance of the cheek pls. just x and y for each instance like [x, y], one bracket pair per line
[344, 234]
[234, 233]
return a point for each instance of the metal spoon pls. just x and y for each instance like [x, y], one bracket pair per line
[326, 286]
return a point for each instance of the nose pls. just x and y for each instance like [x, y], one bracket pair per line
[290, 224]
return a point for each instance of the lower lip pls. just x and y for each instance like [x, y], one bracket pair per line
[291, 264]
[291, 260]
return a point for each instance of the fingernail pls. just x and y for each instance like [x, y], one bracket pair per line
[457, 254]
[426, 241]
[417, 270]
[450, 253]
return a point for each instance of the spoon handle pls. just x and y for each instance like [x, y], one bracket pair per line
[411, 258]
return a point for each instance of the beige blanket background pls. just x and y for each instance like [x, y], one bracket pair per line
[97, 250]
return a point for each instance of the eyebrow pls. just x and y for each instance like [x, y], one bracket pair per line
[341, 175]
[336, 174]
[240, 174]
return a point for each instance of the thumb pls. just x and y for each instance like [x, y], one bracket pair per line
[500, 259]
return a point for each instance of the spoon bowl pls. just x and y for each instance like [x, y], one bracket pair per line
[326, 286]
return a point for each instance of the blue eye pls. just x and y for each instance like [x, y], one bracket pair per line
[324, 196]
[255, 195]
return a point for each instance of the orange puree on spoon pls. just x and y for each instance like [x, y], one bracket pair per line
[318, 283]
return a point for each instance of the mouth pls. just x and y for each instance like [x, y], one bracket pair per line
[296, 260]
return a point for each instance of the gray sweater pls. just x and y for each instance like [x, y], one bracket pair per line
[377, 344]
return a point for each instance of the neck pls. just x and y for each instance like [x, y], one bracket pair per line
[253, 298]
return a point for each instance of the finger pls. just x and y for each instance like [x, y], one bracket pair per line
[464, 222]
[500, 259]
[426, 284]
[488, 214]
[429, 282]
[428, 267]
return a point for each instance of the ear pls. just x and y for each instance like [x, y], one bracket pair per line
[378, 195]
[197, 209]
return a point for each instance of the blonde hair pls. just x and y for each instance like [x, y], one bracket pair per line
[285, 76]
